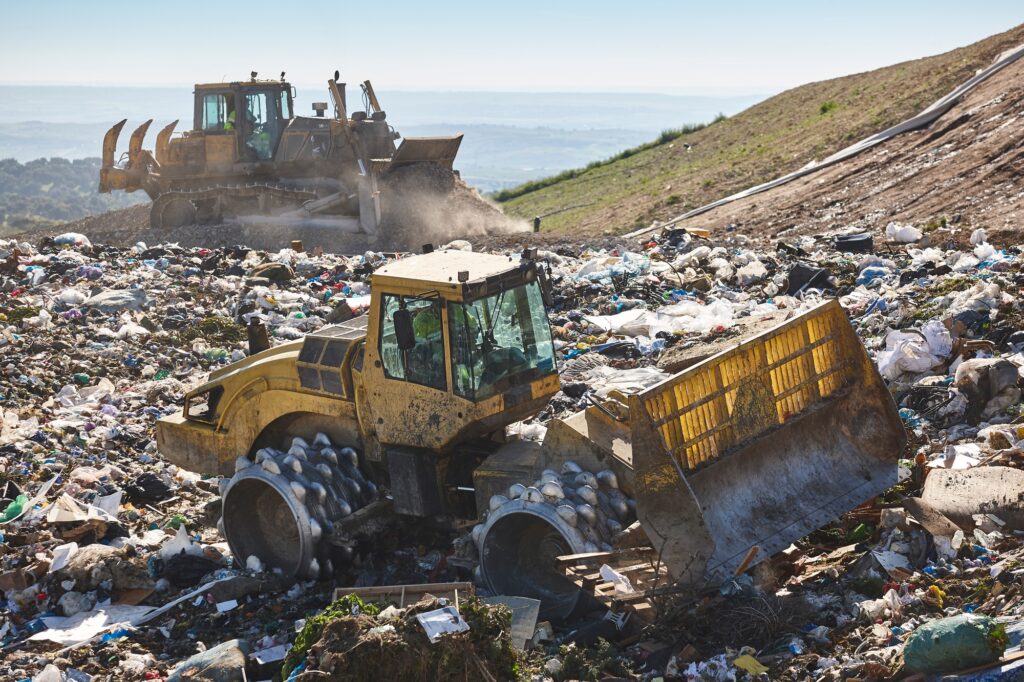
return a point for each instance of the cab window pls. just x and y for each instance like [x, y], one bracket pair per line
[216, 110]
[424, 362]
[499, 341]
[261, 125]
[286, 110]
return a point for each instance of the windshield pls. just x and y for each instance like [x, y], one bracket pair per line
[499, 341]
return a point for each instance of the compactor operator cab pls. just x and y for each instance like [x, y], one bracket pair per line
[494, 342]
[255, 112]
[458, 346]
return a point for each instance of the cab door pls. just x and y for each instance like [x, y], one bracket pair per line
[405, 397]
[217, 118]
[266, 112]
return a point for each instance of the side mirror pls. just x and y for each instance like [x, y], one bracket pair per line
[403, 329]
[546, 292]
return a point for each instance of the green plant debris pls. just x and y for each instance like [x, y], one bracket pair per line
[217, 329]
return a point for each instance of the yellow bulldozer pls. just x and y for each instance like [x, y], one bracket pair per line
[249, 155]
[406, 408]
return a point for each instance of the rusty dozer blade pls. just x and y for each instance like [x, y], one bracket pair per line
[439, 150]
[761, 444]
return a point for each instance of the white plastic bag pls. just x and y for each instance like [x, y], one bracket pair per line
[902, 233]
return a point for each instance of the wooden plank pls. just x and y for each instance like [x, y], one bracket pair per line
[592, 556]
[407, 594]
[934, 521]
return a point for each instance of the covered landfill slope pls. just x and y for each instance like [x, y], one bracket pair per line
[962, 166]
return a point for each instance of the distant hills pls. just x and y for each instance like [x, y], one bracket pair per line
[773, 137]
[510, 137]
[42, 193]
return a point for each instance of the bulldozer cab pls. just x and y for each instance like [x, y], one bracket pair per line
[252, 114]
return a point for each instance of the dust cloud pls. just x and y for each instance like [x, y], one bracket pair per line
[428, 204]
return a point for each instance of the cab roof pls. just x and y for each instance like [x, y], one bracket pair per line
[234, 85]
[440, 270]
[442, 267]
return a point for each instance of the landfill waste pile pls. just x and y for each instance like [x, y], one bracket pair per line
[431, 639]
[112, 565]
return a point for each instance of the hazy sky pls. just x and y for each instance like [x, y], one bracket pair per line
[594, 45]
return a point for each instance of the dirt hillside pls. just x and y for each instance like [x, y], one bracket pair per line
[775, 137]
[963, 171]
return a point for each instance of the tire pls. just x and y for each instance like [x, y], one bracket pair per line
[172, 213]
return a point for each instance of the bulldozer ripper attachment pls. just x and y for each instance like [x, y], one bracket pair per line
[759, 445]
[439, 150]
[135, 144]
[163, 139]
[111, 178]
[141, 167]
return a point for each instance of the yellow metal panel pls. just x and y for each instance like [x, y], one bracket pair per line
[220, 151]
[711, 408]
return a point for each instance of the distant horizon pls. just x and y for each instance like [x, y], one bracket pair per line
[651, 46]
[710, 92]
[510, 137]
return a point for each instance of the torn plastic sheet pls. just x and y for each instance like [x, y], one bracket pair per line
[891, 561]
[67, 509]
[914, 350]
[604, 379]
[62, 555]
[622, 584]
[88, 624]
[84, 626]
[685, 316]
[959, 456]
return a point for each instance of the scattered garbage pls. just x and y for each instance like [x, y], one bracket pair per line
[108, 547]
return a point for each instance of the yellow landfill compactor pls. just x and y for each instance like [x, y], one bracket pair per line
[248, 154]
[405, 409]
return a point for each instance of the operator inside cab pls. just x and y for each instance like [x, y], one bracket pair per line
[260, 126]
[496, 341]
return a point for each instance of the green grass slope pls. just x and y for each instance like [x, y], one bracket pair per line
[663, 179]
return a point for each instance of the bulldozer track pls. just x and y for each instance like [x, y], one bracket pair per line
[247, 191]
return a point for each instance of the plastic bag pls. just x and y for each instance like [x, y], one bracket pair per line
[751, 273]
[902, 233]
[914, 352]
[72, 239]
[957, 643]
[14, 509]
